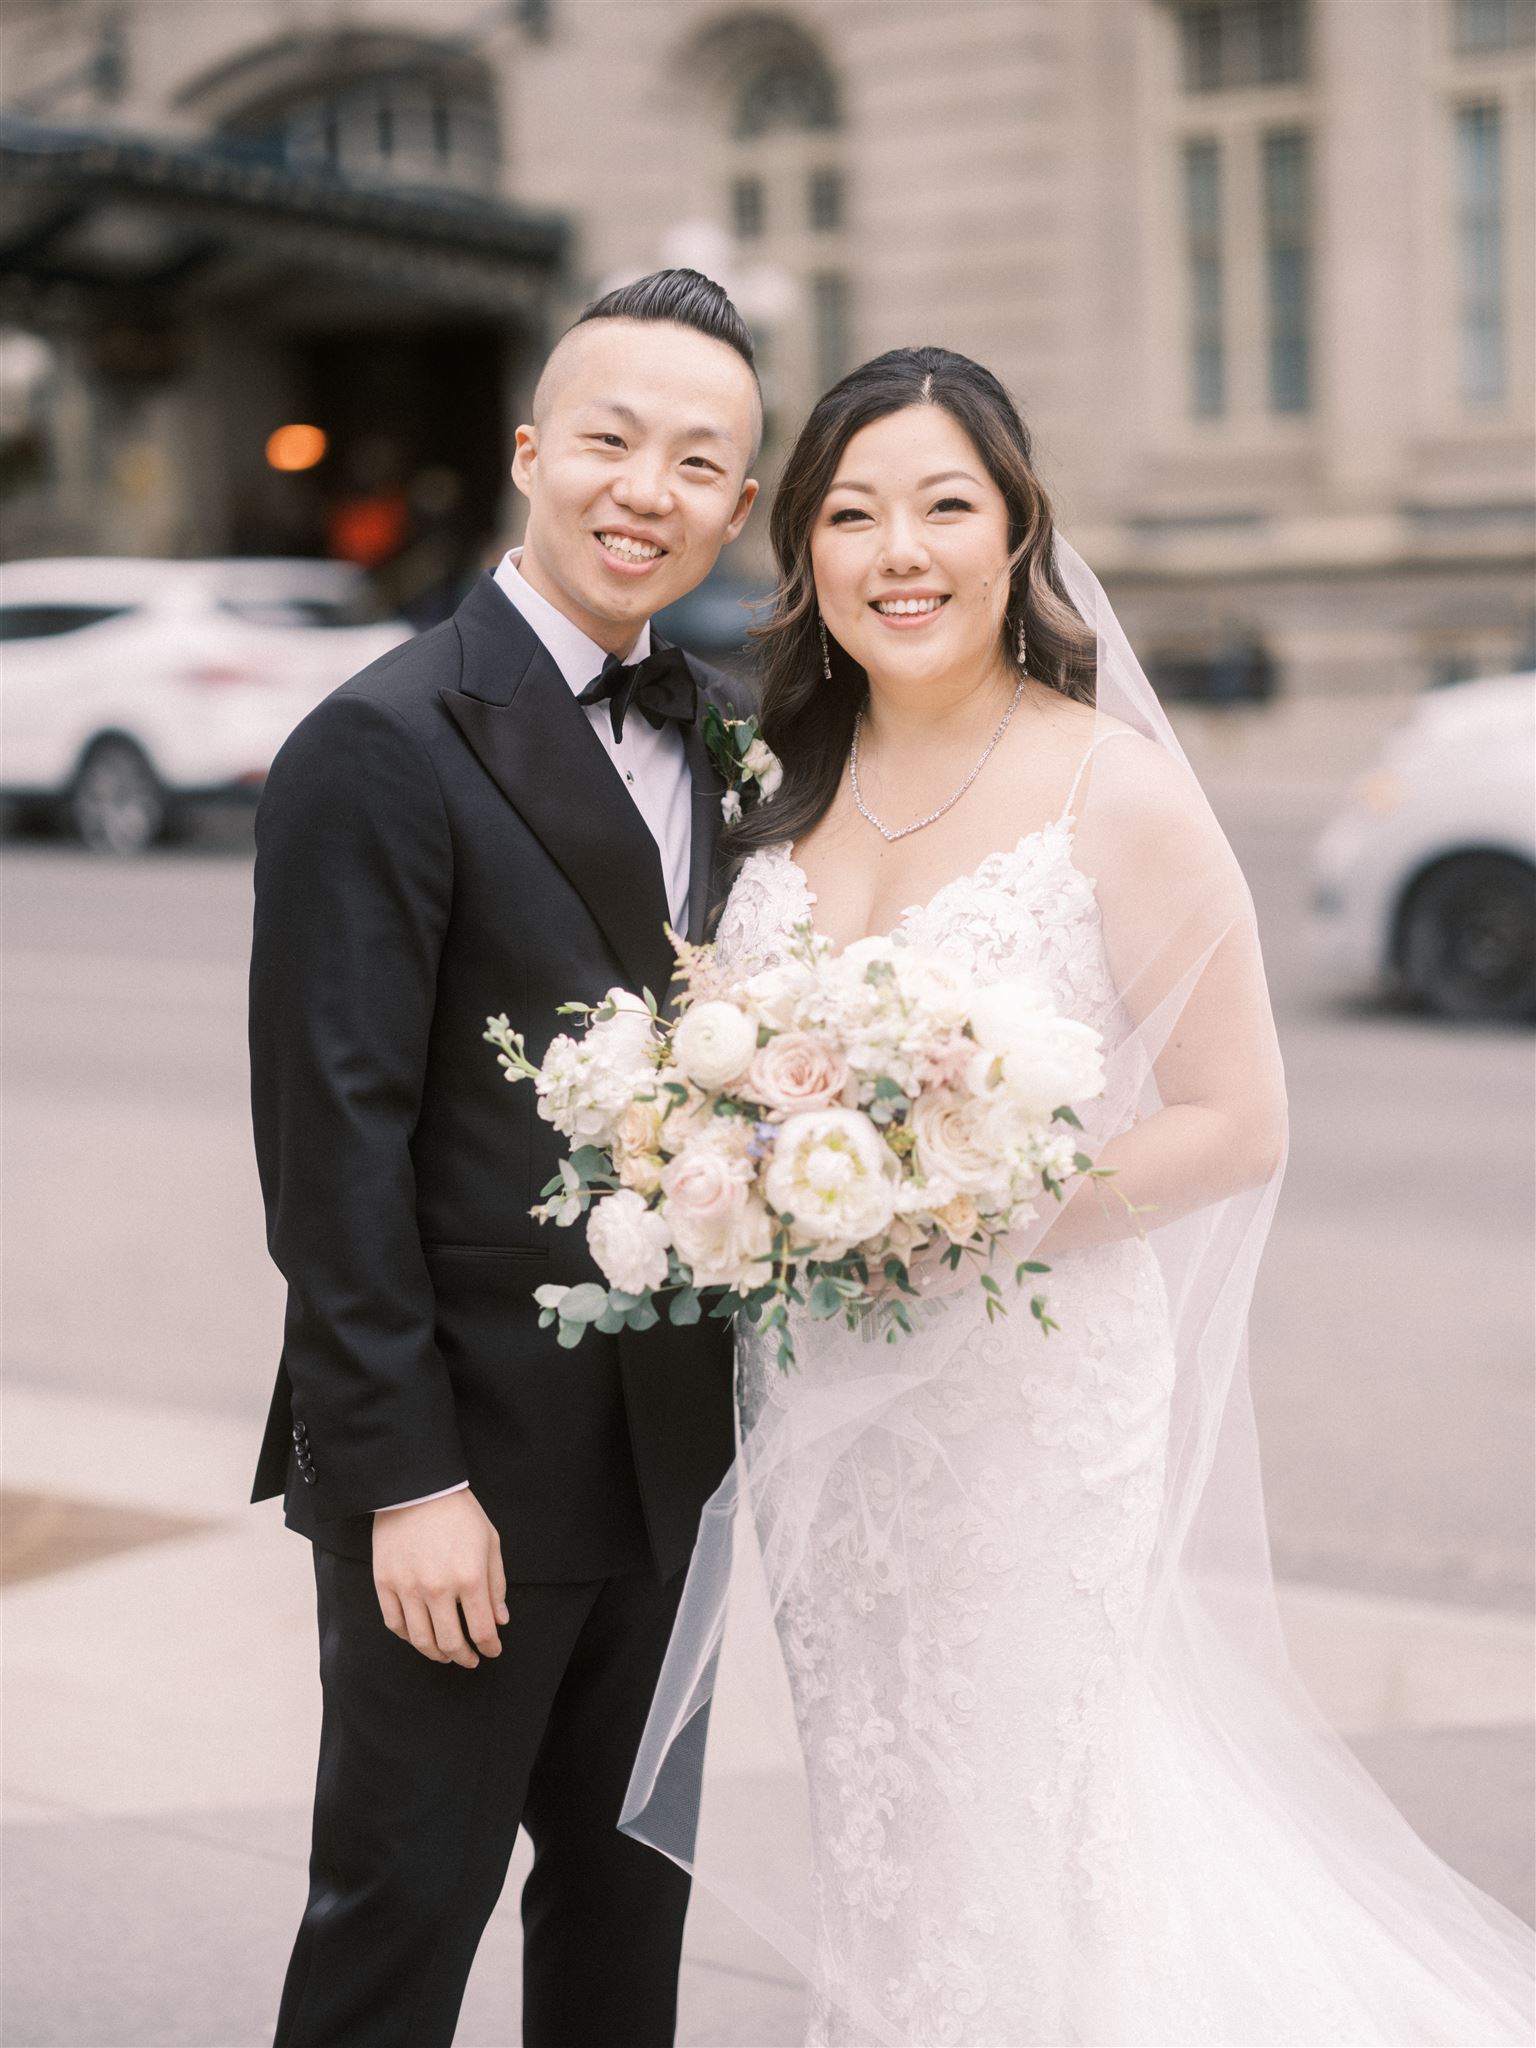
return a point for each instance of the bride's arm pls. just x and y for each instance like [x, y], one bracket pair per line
[1184, 952]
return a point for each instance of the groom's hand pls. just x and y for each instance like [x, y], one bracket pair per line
[433, 1559]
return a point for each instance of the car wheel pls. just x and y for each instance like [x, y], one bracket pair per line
[1468, 939]
[117, 804]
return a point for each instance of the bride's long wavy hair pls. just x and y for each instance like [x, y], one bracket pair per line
[808, 720]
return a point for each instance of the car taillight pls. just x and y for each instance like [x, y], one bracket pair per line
[215, 674]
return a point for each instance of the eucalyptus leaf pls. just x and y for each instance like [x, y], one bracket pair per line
[826, 1299]
[584, 1304]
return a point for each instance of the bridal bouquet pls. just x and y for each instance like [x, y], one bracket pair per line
[793, 1139]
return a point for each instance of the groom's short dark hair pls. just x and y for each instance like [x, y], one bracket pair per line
[687, 298]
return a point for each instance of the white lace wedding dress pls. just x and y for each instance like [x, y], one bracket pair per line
[1019, 1837]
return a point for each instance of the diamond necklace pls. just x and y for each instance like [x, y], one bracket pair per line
[884, 830]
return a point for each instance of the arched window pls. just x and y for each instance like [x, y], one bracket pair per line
[360, 105]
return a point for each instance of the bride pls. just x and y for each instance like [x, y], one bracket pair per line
[1008, 1588]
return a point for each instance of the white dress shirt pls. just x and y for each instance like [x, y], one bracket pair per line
[651, 764]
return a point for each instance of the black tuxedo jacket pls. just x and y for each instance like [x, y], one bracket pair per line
[442, 839]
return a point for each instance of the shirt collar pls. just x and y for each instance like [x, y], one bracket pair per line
[578, 658]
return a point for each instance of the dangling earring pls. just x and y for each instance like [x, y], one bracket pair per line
[826, 652]
[1023, 651]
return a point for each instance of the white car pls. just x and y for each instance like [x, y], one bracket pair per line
[129, 688]
[1425, 883]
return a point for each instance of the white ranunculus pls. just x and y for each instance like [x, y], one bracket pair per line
[713, 1043]
[1001, 1013]
[764, 764]
[835, 1175]
[629, 1242]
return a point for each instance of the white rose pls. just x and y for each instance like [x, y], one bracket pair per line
[1000, 1014]
[835, 1175]
[959, 1219]
[718, 1226]
[955, 1149]
[762, 762]
[939, 989]
[629, 1242]
[730, 806]
[773, 994]
[713, 1043]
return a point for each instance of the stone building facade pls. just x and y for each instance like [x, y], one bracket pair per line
[1260, 272]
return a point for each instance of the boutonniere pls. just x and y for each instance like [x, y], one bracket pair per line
[747, 763]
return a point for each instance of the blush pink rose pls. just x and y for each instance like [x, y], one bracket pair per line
[793, 1072]
[721, 1230]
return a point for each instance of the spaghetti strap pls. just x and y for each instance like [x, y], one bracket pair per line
[1122, 732]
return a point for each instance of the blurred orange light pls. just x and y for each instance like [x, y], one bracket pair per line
[295, 447]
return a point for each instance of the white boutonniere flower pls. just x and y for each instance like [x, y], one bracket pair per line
[748, 765]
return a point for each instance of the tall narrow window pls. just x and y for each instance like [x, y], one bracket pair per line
[1288, 263]
[826, 199]
[747, 207]
[1202, 214]
[829, 297]
[1480, 235]
[1229, 44]
[1494, 25]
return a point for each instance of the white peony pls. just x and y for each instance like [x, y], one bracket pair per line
[1001, 1014]
[836, 1176]
[713, 1044]
[1052, 1060]
[629, 1242]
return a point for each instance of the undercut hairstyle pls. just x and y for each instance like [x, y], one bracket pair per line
[685, 297]
[807, 717]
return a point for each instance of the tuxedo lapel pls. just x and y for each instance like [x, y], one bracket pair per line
[533, 739]
[708, 789]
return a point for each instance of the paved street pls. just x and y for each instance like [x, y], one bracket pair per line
[161, 1692]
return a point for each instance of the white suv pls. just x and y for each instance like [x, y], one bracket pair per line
[128, 688]
[1426, 881]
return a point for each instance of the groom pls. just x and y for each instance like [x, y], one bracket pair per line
[500, 815]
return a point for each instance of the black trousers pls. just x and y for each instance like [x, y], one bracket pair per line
[427, 1770]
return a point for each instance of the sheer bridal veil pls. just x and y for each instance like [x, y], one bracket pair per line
[1239, 1808]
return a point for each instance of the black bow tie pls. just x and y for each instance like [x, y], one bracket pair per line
[661, 687]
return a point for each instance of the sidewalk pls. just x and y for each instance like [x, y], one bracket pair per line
[163, 1713]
